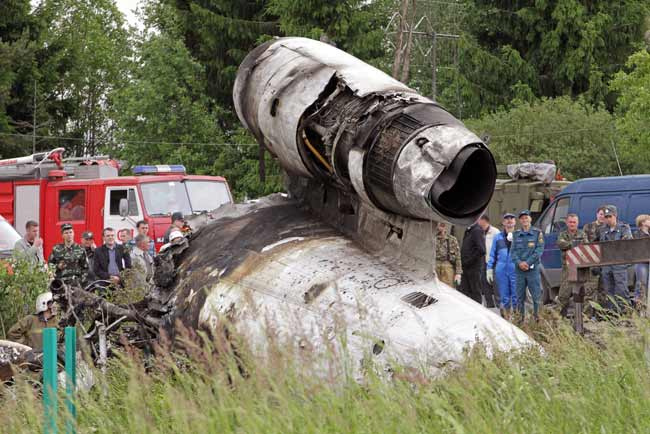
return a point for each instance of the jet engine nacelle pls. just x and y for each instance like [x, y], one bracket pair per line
[327, 115]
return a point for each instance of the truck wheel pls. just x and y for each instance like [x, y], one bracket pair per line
[548, 293]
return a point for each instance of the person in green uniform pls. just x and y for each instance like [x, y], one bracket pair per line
[29, 330]
[69, 258]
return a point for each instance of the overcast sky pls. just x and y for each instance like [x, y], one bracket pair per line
[127, 7]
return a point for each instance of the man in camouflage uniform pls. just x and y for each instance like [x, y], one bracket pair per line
[69, 258]
[565, 241]
[591, 230]
[448, 265]
[594, 286]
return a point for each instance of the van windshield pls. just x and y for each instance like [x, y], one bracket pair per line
[207, 195]
[163, 198]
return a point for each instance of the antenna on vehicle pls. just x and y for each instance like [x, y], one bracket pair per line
[618, 163]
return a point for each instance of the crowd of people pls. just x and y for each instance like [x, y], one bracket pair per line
[509, 259]
[86, 263]
[608, 285]
[506, 258]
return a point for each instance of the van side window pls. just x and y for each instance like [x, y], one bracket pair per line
[547, 219]
[72, 205]
[129, 195]
[589, 205]
[559, 218]
[637, 204]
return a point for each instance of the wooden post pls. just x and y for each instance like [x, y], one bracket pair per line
[578, 299]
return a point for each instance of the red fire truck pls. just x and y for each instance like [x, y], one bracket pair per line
[89, 194]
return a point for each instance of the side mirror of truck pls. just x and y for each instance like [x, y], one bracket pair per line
[124, 207]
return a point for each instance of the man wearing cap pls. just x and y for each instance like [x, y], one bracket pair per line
[500, 267]
[566, 241]
[525, 253]
[472, 255]
[614, 276]
[177, 224]
[69, 258]
[448, 264]
[89, 246]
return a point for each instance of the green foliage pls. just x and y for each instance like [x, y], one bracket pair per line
[240, 166]
[20, 284]
[164, 102]
[575, 385]
[219, 34]
[574, 47]
[578, 137]
[355, 26]
[88, 47]
[633, 111]
[18, 52]
[164, 116]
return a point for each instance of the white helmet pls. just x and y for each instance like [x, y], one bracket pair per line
[42, 301]
[175, 234]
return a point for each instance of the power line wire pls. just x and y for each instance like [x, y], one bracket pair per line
[151, 142]
[135, 142]
[548, 133]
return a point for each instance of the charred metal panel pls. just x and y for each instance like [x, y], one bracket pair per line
[278, 272]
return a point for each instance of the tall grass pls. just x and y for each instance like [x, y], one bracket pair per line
[575, 386]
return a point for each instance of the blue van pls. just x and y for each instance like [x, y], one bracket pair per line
[630, 194]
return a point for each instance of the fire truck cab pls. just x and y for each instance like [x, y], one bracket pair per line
[90, 195]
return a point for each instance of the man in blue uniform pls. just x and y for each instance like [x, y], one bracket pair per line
[614, 276]
[501, 268]
[525, 253]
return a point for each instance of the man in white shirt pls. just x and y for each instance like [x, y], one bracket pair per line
[490, 232]
[30, 247]
[142, 261]
[491, 296]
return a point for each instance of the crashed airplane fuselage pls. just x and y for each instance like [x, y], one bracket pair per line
[371, 166]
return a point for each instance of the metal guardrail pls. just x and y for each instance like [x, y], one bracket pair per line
[581, 259]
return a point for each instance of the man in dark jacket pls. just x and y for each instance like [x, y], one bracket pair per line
[88, 244]
[472, 256]
[110, 258]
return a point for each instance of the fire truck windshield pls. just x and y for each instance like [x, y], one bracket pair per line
[8, 238]
[163, 198]
[189, 197]
[207, 195]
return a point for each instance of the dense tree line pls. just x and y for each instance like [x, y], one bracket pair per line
[555, 79]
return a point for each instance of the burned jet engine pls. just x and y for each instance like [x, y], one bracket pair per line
[349, 252]
[328, 116]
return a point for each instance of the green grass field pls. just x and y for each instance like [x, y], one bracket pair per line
[576, 385]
